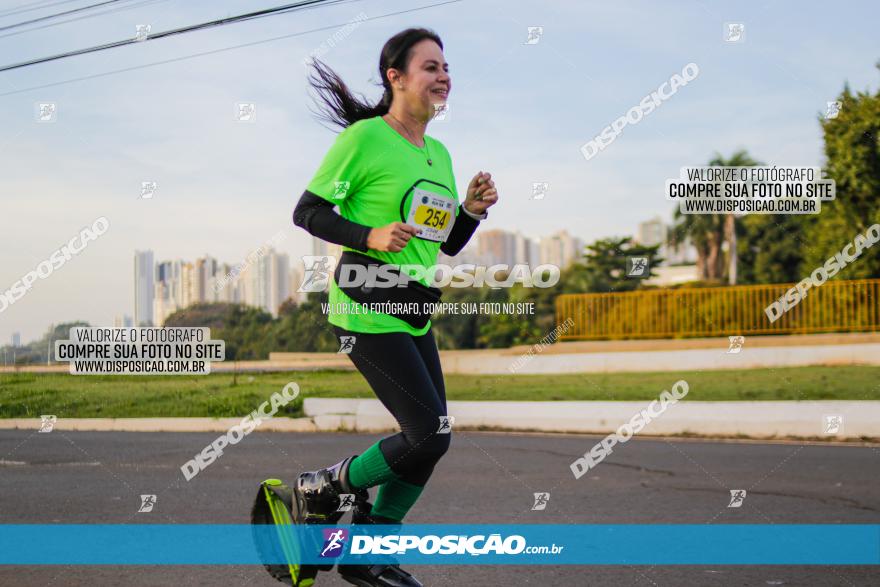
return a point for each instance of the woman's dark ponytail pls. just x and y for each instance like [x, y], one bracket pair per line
[339, 106]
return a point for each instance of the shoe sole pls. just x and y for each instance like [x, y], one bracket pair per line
[300, 575]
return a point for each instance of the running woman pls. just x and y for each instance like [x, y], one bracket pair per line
[398, 205]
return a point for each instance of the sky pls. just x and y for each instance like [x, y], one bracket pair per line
[520, 111]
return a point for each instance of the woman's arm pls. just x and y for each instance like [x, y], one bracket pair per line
[315, 215]
[462, 231]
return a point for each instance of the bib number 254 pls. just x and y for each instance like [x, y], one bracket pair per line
[432, 217]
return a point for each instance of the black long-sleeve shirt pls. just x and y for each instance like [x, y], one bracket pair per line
[315, 214]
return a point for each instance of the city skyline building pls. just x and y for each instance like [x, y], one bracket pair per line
[143, 288]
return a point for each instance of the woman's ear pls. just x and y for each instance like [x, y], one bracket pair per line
[393, 76]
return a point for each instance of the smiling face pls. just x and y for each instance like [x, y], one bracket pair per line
[426, 81]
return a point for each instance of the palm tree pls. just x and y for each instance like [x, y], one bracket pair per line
[709, 232]
[706, 233]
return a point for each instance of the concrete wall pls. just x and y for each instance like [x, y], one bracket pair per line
[673, 360]
[753, 419]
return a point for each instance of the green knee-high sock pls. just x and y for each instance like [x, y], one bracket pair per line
[395, 498]
[370, 469]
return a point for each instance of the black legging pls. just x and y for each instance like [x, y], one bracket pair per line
[405, 374]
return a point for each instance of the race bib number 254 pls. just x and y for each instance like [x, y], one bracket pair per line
[433, 214]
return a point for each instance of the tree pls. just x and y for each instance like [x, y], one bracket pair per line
[852, 150]
[303, 327]
[706, 232]
[459, 331]
[246, 330]
[771, 248]
[213, 315]
[42, 349]
[603, 267]
[710, 232]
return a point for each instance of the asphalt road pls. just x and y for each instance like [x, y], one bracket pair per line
[97, 477]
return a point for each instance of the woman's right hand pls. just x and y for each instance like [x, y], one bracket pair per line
[392, 238]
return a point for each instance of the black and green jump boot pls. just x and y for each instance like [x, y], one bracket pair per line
[318, 497]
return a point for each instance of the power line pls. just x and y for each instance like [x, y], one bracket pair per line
[178, 31]
[33, 6]
[84, 17]
[51, 16]
[221, 50]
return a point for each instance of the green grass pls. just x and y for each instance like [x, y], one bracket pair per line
[27, 395]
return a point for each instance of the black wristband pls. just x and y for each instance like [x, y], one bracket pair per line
[461, 233]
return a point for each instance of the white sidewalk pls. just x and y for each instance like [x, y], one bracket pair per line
[758, 420]
[769, 419]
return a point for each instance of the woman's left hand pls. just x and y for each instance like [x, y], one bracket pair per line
[481, 193]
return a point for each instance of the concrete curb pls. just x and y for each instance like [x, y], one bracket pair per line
[161, 424]
[770, 419]
[673, 360]
[758, 420]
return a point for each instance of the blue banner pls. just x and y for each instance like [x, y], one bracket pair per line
[415, 544]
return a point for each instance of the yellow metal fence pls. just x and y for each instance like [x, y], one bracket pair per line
[836, 306]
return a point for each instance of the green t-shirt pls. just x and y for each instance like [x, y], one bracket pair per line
[373, 173]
